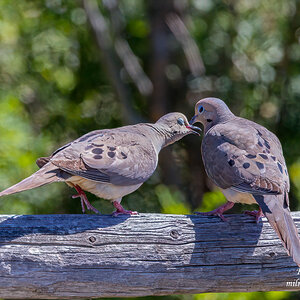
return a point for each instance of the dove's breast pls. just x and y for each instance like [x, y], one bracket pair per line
[103, 190]
[238, 197]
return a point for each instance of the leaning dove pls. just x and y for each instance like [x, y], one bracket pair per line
[109, 163]
[246, 161]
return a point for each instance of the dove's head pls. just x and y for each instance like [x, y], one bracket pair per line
[175, 126]
[211, 111]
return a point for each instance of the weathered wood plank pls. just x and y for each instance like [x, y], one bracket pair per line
[86, 256]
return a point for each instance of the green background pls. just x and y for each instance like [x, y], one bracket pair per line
[57, 83]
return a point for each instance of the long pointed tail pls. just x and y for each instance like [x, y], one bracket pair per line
[276, 210]
[47, 174]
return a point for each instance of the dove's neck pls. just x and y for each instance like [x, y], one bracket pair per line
[225, 116]
[159, 136]
[221, 117]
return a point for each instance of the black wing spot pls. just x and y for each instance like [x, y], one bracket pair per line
[124, 156]
[260, 165]
[251, 156]
[280, 167]
[83, 139]
[267, 144]
[231, 162]
[259, 133]
[285, 171]
[285, 203]
[209, 120]
[259, 144]
[97, 156]
[97, 151]
[111, 154]
[263, 156]
[246, 165]
[111, 148]
[273, 157]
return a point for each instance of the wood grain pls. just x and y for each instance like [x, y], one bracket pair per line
[86, 256]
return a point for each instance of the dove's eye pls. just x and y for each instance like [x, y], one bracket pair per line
[201, 109]
[180, 121]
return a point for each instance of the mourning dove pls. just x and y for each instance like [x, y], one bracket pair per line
[246, 161]
[109, 163]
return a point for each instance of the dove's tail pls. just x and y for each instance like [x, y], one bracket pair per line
[47, 174]
[276, 209]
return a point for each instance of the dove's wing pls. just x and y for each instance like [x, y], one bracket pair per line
[120, 156]
[245, 156]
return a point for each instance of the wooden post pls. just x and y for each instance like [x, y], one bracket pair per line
[85, 256]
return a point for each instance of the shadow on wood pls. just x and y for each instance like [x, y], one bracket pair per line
[85, 256]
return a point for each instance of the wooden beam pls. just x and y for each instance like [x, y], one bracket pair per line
[86, 256]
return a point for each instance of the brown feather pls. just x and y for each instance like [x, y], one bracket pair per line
[42, 161]
[47, 174]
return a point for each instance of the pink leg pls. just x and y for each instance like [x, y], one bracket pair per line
[84, 200]
[258, 214]
[120, 210]
[218, 211]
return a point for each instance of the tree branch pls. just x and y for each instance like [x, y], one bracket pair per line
[188, 44]
[100, 29]
[125, 53]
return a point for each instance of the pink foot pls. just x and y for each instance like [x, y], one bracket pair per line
[218, 211]
[84, 200]
[121, 211]
[258, 214]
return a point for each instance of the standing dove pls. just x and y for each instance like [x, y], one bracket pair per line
[109, 163]
[246, 161]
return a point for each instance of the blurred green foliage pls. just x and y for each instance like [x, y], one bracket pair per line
[54, 87]
[227, 296]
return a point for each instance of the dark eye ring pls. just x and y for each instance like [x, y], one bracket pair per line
[201, 109]
[180, 121]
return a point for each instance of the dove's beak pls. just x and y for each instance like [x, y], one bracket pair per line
[193, 128]
[193, 119]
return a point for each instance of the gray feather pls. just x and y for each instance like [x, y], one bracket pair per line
[47, 174]
[277, 212]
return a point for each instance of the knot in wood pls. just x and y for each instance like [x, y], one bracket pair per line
[272, 254]
[174, 234]
[92, 239]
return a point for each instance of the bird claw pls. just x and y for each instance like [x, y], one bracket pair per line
[212, 213]
[92, 208]
[121, 211]
[258, 214]
[218, 211]
[84, 200]
[124, 212]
